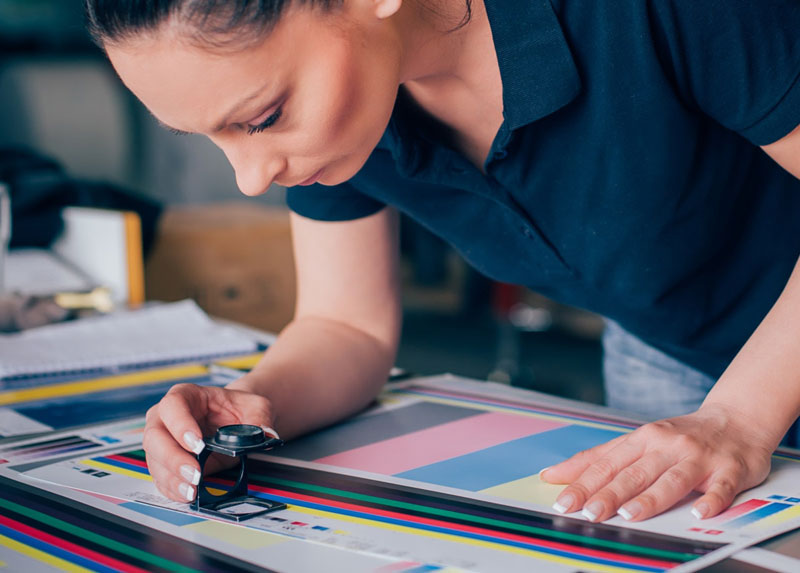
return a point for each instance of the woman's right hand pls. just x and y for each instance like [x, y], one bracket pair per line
[175, 427]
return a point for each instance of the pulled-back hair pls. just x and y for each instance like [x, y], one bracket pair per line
[215, 23]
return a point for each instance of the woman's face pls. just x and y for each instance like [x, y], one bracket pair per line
[309, 103]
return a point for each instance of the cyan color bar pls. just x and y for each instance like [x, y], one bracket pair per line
[754, 516]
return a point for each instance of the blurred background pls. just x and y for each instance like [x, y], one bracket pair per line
[63, 112]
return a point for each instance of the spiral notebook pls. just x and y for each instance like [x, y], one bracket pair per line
[152, 336]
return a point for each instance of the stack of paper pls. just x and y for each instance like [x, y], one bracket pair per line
[153, 336]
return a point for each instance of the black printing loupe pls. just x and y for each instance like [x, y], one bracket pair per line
[236, 440]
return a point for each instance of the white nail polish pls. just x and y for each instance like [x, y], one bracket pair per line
[588, 514]
[559, 508]
[186, 491]
[626, 515]
[195, 444]
[696, 513]
[190, 474]
[270, 431]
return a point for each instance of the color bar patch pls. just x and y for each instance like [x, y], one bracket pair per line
[370, 429]
[442, 442]
[529, 489]
[739, 509]
[511, 461]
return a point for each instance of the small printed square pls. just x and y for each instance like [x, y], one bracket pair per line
[777, 497]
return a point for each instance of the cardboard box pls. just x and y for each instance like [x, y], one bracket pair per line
[234, 259]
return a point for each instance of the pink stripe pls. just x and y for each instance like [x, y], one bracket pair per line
[439, 443]
[738, 510]
[398, 567]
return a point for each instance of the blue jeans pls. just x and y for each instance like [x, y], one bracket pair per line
[645, 381]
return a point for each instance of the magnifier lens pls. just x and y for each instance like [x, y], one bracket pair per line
[239, 435]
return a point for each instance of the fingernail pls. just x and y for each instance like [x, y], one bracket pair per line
[186, 491]
[700, 510]
[563, 503]
[195, 444]
[270, 431]
[190, 474]
[630, 510]
[541, 471]
[593, 510]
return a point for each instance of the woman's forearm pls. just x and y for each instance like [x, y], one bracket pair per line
[317, 372]
[762, 384]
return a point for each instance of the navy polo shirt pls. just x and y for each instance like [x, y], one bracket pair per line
[626, 177]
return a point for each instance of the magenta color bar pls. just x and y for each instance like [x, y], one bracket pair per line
[441, 442]
[740, 509]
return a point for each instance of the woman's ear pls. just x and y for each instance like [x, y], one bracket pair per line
[386, 8]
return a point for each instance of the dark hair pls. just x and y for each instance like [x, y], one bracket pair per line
[212, 21]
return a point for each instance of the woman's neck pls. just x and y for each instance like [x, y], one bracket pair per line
[443, 45]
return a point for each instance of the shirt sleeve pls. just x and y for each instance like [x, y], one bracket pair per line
[335, 203]
[738, 61]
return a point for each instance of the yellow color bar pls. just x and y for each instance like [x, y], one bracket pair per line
[99, 384]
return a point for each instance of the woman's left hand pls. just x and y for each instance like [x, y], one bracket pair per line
[716, 451]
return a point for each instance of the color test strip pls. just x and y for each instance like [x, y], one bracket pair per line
[136, 547]
[760, 513]
[439, 443]
[412, 514]
[779, 518]
[41, 556]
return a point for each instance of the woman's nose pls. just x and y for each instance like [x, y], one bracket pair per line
[255, 169]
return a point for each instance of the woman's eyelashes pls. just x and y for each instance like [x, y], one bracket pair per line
[266, 124]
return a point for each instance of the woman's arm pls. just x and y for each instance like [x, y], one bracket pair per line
[331, 361]
[336, 354]
[720, 450]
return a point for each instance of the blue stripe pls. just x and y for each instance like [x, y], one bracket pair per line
[54, 551]
[172, 516]
[512, 460]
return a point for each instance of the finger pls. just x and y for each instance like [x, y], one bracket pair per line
[722, 488]
[629, 482]
[174, 487]
[597, 474]
[177, 411]
[568, 470]
[672, 486]
[167, 462]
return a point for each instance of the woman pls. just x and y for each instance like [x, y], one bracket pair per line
[604, 153]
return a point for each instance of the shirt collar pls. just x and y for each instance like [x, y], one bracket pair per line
[536, 67]
[538, 72]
